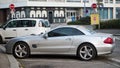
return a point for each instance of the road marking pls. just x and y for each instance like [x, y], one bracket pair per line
[115, 62]
[117, 38]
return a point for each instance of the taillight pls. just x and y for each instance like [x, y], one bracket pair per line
[108, 40]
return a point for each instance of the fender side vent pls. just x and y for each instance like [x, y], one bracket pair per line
[34, 45]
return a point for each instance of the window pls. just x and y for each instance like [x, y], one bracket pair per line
[17, 14]
[38, 0]
[70, 14]
[111, 13]
[27, 23]
[73, 0]
[56, 0]
[117, 12]
[65, 31]
[22, 14]
[45, 23]
[111, 1]
[12, 24]
[106, 1]
[117, 1]
[104, 13]
[32, 13]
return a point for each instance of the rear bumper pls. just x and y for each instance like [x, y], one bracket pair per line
[105, 50]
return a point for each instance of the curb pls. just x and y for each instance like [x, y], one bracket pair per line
[115, 61]
[13, 62]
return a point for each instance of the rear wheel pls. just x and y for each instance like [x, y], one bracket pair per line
[86, 52]
[21, 50]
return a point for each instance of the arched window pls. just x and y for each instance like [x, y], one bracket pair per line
[44, 13]
[38, 13]
[56, 13]
[32, 13]
[61, 13]
[23, 14]
[13, 15]
[17, 14]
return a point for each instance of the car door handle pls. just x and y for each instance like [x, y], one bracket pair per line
[26, 29]
[14, 29]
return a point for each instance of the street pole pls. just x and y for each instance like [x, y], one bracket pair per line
[84, 8]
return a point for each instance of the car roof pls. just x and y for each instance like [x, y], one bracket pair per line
[74, 26]
[27, 19]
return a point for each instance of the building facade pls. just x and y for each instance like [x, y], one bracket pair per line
[58, 11]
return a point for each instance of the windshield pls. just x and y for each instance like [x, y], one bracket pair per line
[45, 23]
[91, 31]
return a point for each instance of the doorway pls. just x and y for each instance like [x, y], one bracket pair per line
[50, 15]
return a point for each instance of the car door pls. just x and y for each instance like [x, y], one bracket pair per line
[10, 30]
[26, 27]
[58, 40]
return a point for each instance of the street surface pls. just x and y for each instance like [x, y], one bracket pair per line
[63, 61]
[4, 63]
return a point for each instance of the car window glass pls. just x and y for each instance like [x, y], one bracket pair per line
[26, 23]
[12, 24]
[65, 31]
[45, 23]
[31, 23]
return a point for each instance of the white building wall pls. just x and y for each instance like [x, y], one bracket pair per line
[57, 3]
[53, 3]
[17, 3]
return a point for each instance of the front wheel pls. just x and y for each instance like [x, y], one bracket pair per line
[21, 50]
[86, 52]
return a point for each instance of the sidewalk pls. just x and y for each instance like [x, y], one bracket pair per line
[6, 60]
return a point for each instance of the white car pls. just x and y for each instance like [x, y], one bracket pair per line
[70, 40]
[23, 27]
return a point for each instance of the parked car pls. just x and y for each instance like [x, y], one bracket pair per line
[72, 40]
[23, 27]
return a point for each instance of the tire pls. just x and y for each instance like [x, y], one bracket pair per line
[21, 50]
[86, 52]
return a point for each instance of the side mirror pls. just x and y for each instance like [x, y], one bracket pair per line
[45, 36]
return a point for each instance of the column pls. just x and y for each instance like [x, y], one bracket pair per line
[108, 13]
[114, 12]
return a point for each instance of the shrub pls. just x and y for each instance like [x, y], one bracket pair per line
[110, 24]
[81, 21]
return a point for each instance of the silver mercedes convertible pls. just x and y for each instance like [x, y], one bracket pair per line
[69, 40]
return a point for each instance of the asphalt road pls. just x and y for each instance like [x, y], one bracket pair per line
[63, 61]
[46, 61]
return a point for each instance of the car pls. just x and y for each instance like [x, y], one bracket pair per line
[23, 27]
[68, 40]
